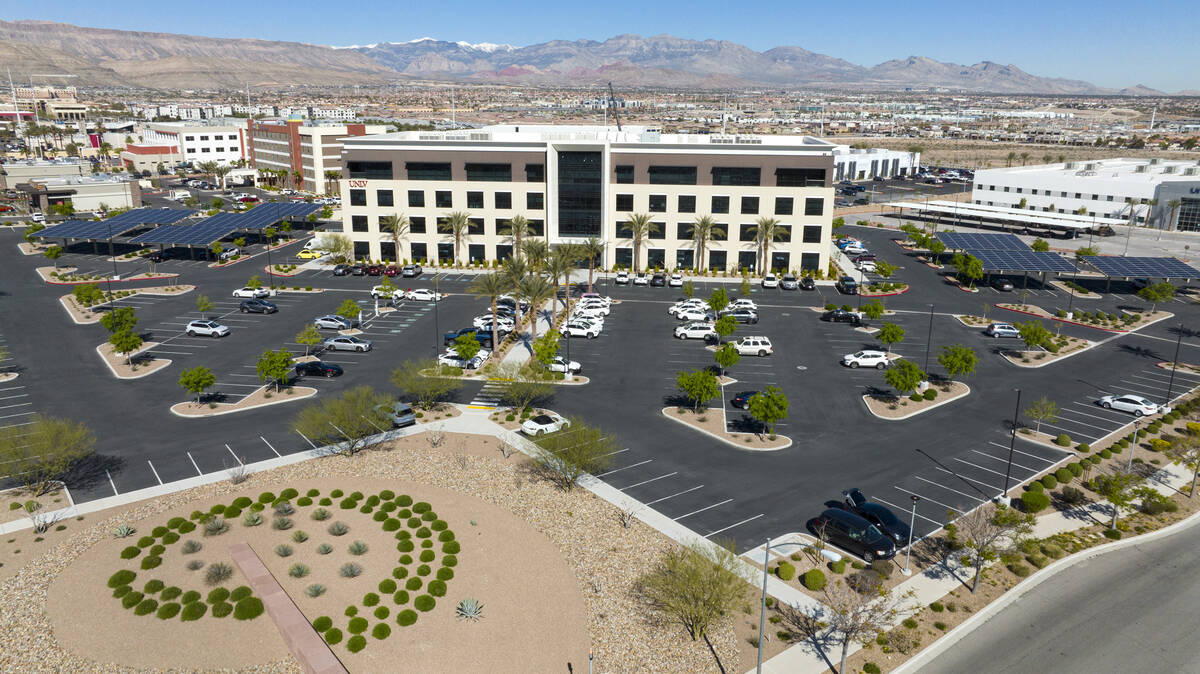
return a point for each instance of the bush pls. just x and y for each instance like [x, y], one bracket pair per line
[424, 603]
[1019, 569]
[151, 562]
[189, 597]
[446, 536]
[218, 573]
[404, 500]
[121, 591]
[451, 548]
[445, 573]
[1076, 468]
[437, 588]
[814, 580]
[242, 502]
[382, 612]
[333, 636]
[1049, 481]
[193, 611]
[413, 584]
[1083, 447]
[1034, 501]
[937, 607]
[390, 523]
[248, 608]
[132, 599]
[929, 394]
[338, 529]
[358, 625]
[1064, 475]
[421, 507]
[839, 566]
[400, 597]
[871, 668]
[323, 623]
[426, 556]
[405, 546]
[1035, 486]
[350, 570]
[370, 599]
[399, 572]
[785, 570]
[1063, 440]
[439, 525]
[146, 606]
[187, 527]
[1072, 496]
[297, 570]
[381, 631]
[131, 552]
[217, 595]
[239, 593]
[450, 560]
[357, 548]
[424, 532]
[283, 550]
[167, 611]
[1106, 454]
[424, 570]
[406, 617]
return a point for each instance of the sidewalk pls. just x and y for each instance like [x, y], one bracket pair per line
[521, 351]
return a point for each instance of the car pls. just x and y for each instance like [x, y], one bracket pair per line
[347, 343]
[676, 281]
[842, 316]
[692, 304]
[391, 271]
[658, 280]
[854, 248]
[1134, 404]
[374, 269]
[332, 322]
[641, 279]
[485, 321]
[866, 358]
[542, 424]
[317, 368]
[422, 295]
[740, 315]
[807, 283]
[384, 291]
[742, 400]
[207, 329]
[698, 330]
[560, 364]
[573, 290]
[358, 269]
[592, 308]
[339, 270]
[592, 319]
[865, 257]
[247, 199]
[882, 517]
[622, 278]
[230, 253]
[310, 254]
[252, 293]
[451, 358]
[770, 281]
[866, 266]
[411, 271]
[159, 256]
[510, 301]
[401, 414]
[997, 330]
[844, 241]
[742, 303]
[693, 314]
[1002, 284]
[846, 285]
[602, 305]
[754, 346]
[581, 329]
[484, 338]
[257, 306]
[854, 534]
[789, 282]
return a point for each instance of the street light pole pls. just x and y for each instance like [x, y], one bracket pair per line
[1012, 444]
[1133, 446]
[762, 612]
[1174, 364]
[929, 340]
[912, 523]
[437, 331]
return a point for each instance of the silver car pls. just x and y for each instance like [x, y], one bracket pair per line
[331, 322]
[401, 414]
[207, 329]
[347, 344]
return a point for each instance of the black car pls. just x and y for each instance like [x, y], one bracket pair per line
[257, 306]
[318, 368]
[742, 400]
[883, 518]
[342, 270]
[742, 316]
[847, 285]
[159, 256]
[511, 303]
[575, 290]
[854, 534]
[484, 337]
[659, 280]
[358, 270]
[807, 283]
[842, 316]
[1002, 284]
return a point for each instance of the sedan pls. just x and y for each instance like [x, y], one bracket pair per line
[742, 400]
[854, 248]
[422, 295]
[882, 517]
[484, 322]
[581, 329]
[390, 271]
[251, 293]
[411, 271]
[207, 328]
[641, 279]
[867, 266]
[742, 316]
[258, 307]
[694, 331]
[345, 343]
[543, 424]
[331, 322]
[592, 308]
[316, 368]
[309, 254]
[1135, 405]
[1002, 284]
[338, 270]
[692, 314]
[867, 358]
[358, 269]
[622, 278]
[676, 281]
[770, 281]
[560, 364]
[789, 282]
[842, 316]
[807, 283]
[383, 291]
[230, 253]
[742, 303]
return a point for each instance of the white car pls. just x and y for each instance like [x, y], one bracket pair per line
[754, 346]
[641, 279]
[866, 358]
[581, 329]
[422, 295]
[854, 248]
[676, 281]
[691, 314]
[867, 266]
[589, 312]
[694, 331]
[589, 297]
[452, 359]
[560, 364]
[544, 423]
[347, 344]
[485, 322]
[622, 278]
[386, 291]
[207, 329]
[251, 293]
[998, 330]
[742, 303]
[1135, 405]
[770, 281]
[230, 253]
[692, 304]
[597, 321]
[593, 307]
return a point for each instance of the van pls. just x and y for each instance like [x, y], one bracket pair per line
[179, 195]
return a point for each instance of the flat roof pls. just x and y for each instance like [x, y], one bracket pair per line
[1015, 215]
[1122, 169]
[546, 133]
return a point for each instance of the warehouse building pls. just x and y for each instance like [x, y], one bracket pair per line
[578, 182]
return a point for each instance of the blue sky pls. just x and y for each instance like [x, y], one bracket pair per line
[1105, 42]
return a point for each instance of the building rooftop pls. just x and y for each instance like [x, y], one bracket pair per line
[65, 181]
[65, 161]
[533, 133]
[1124, 169]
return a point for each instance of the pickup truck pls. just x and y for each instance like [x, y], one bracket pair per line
[484, 337]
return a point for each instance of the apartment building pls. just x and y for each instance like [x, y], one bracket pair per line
[199, 141]
[577, 182]
[295, 147]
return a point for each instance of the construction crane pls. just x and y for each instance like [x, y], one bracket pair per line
[612, 99]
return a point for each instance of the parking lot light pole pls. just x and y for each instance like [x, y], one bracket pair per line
[1012, 443]
[762, 613]
[929, 340]
[437, 331]
[1174, 364]
[1133, 446]
[912, 522]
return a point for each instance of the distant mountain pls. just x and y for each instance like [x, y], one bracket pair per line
[1142, 90]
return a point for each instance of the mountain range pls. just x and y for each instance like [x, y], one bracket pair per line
[105, 57]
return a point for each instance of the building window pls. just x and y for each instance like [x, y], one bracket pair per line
[719, 233]
[720, 204]
[745, 176]
[799, 177]
[416, 198]
[358, 223]
[624, 203]
[374, 170]
[580, 200]
[384, 198]
[812, 234]
[387, 251]
[810, 261]
[203, 137]
[1006, 189]
[658, 230]
[747, 232]
[1189, 216]
[474, 199]
[504, 200]
[685, 258]
[442, 199]
[419, 252]
[475, 252]
[749, 205]
[416, 225]
[624, 174]
[655, 258]
[538, 227]
[658, 203]
[206, 149]
[489, 173]
[1077, 195]
[362, 250]
[687, 203]
[623, 258]
[683, 231]
[717, 259]
[358, 197]
[814, 206]
[783, 205]
[780, 260]
[422, 170]
[445, 252]
[189, 138]
[475, 226]
[672, 175]
[748, 259]
[503, 252]
[535, 201]
[624, 230]
[535, 173]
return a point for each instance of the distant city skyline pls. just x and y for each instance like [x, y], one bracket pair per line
[1102, 42]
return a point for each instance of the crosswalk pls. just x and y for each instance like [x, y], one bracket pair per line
[489, 396]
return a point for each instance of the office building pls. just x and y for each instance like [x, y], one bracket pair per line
[199, 141]
[850, 163]
[139, 157]
[310, 155]
[15, 172]
[579, 182]
[85, 194]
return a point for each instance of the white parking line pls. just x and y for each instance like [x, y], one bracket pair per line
[18, 414]
[898, 508]
[198, 471]
[314, 445]
[1032, 456]
[616, 452]
[938, 484]
[5, 407]
[1005, 461]
[968, 479]
[1063, 416]
[926, 498]
[1119, 422]
[675, 494]
[154, 471]
[110, 482]
[653, 479]
[1093, 438]
[271, 446]
[978, 466]
[234, 455]
[19, 395]
[617, 470]
[738, 524]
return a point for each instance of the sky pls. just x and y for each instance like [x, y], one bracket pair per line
[1101, 41]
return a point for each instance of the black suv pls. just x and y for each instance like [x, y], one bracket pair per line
[846, 285]
[842, 316]
[484, 337]
[854, 534]
[883, 518]
[807, 283]
[659, 280]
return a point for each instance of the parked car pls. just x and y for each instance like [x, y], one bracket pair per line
[374, 270]
[866, 266]
[789, 282]
[317, 368]
[207, 329]
[383, 291]
[865, 257]
[543, 424]
[401, 414]
[622, 278]
[694, 331]
[451, 358]
[422, 295]
[740, 315]
[560, 364]
[854, 534]
[332, 322]
[676, 281]
[358, 269]
[411, 271]
[694, 304]
[754, 346]
[742, 400]
[484, 338]
[742, 303]
[882, 517]
[998, 330]
[312, 254]
[854, 248]
[866, 358]
[341, 269]
[391, 271]
[658, 280]
[641, 279]
[693, 314]
[159, 256]
[257, 306]
[229, 253]
[847, 285]
[485, 321]
[581, 329]
[347, 343]
[842, 316]
[251, 293]
[770, 281]
[1134, 404]
[1002, 284]
[807, 283]
[592, 308]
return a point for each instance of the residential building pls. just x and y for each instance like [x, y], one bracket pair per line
[578, 182]
[344, 114]
[1105, 188]
[199, 141]
[15, 172]
[306, 152]
[88, 193]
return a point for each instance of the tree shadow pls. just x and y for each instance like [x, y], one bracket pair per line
[1187, 332]
[812, 626]
[92, 470]
[1140, 351]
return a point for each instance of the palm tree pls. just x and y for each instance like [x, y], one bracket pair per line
[640, 227]
[536, 290]
[1009, 158]
[222, 170]
[1024, 158]
[1150, 204]
[517, 229]
[297, 180]
[535, 252]
[1174, 205]
[513, 272]
[591, 249]
[106, 151]
[703, 230]
[397, 226]
[1047, 158]
[330, 177]
[559, 265]
[766, 231]
[207, 168]
[491, 286]
[457, 225]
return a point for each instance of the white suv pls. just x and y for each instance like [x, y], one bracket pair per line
[694, 331]
[770, 281]
[622, 278]
[207, 329]
[754, 346]
[676, 281]
[866, 358]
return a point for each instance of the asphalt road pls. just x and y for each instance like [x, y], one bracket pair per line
[1131, 610]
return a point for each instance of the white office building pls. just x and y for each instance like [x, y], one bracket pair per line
[199, 141]
[1162, 193]
[863, 164]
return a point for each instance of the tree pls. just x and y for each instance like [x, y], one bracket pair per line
[1034, 334]
[695, 585]
[1119, 488]
[87, 294]
[889, 334]
[491, 286]
[1022, 203]
[699, 386]
[590, 249]
[545, 348]
[125, 342]
[725, 326]
[204, 305]
[522, 393]
[704, 229]
[718, 300]
[559, 266]
[640, 227]
[466, 346]
[1174, 205]
[744, 288]
[1086, 251]
[397, 225]
[217, 203]
[727, 356]
[885, 269]
[1043, 410]
[969, 267]
[873, 309]
[196, 380]
[838, 223]
[535, 290]
[458, 226]
[517, 229]
[1185, 451]
[428, 390]
[349, 310]
[347, 421]
[308, 337]
[766, 230]
[570, 455]
[222, 170]
[32, 229]
[121, 319]
[768, 407]
[1009, 158]
[53, 253]
[254, 282]
[39, 453]
[535, 252]
[958, 360]
[689, 289]
[339, 246]
[904, 376]
[848, 616]
[987, 532]
[936, 248]
[1159, 292]
[274, 366]
[64, 209]
[217, 248]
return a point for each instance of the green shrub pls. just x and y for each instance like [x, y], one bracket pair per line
[358, 625]
[289, 493]
[429, 516]
[333, 636]
[357, 548]
[336, 493]
[413, 522]
[348, 504]
[424, 532]
[871, 668]
[304, 501]
[145, 606]
[445, 536]
[1064, 475]
[167, 611]
[438, 525]
[145, 541]
[151, 562]
[1083, 447]
[1034, 501]
[381, 631]
[814, 580]
[222, 609]
[421, 507]
[239, 593]
[189, 597]
[424, 570]
[1019, 569]
[338, 529]
[929, 394]
[176, 522]
[389, 523]
[1076, 468]
[229, 512]
[248, 608]
[883, 568]
[1049, 481]
[426, 556]
[266, 497]
[242, 502]
[298, 570]
[413, 584]
[937, 607]
[1072, 496]
[370, 599]
[406, 617]
[193, 611]
[323, 623]
[218, 573]
[132, 599]
[405, 546]
[404, 500]
[283, 550]
[399, 572]
[187, 527]
[121, 591]
[351, 611]
[1106, 454]
[437, 588]
[382, 612]
[451, 548]
[450, 560]
[785, 571]
[400, 597]
[326, 501]
[157, 550]
[357, 495]
[131, 552]
[365, 509]
[445, 573]
[217, 595]
[160, 531]
[424, 603]
[1063, 440]
[910, 623]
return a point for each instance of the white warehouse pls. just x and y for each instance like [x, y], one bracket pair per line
[851, 163]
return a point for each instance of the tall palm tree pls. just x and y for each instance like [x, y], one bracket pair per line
[703, 231]
[589, 250]
[222, 170]
[535, 252]
[1024, 158]
[536, 290]
[491, 286]
[766, 231]
[330, 177]
[640, 227]
[457, 225]
[397, 225]
[559, 265]
[1174, 205]
[1009, 158]
[297, 180]
[513, 272]
[517, 229]
[207, 168]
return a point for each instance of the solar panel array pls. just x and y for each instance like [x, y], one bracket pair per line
[1018, 260]
[1149, 267]
[86, 229]
[201, 233]
[268, 214]
[973, 241]
[150, 216]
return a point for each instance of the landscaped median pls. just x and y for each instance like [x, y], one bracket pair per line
[1126, 321]
[261, 397]
[1059, 348]
[713, 424]
[86, 314]
[65, 276]
[896, 408]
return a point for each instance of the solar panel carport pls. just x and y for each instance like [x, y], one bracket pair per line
[1068, 223]
[269, 214]
[1142, 267]
[95, 230]
[972, 241]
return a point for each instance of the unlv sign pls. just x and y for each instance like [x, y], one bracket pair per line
[358, 183]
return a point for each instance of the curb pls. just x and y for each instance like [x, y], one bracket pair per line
[887, 294]
[1091, 345]
[923, 409]
[243, 409]
[727, 441]
[145, 348]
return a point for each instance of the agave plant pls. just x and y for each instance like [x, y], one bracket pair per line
[315, 590]
[284, 508]
[215, 527]
[338, 529]
[252, 519]
[124, 531]
[469, 609]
